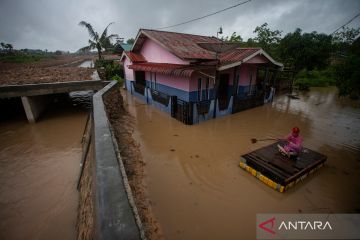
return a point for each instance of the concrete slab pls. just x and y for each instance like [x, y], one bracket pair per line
[7, 91]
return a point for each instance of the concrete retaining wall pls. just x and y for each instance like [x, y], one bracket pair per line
[114, 212]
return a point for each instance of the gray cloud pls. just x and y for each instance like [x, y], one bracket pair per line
[52, 25]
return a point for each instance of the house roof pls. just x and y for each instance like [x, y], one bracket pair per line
[134, 57]
[181, 45]
[164, 68]
[191, 47]
[126, 46]
[238, 56]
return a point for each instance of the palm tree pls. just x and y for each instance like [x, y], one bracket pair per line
[96, 41]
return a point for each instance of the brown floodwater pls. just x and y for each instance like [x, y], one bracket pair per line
[39, 167]
[192, 174]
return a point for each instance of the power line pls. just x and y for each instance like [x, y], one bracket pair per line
[352, 19]
[205, 16]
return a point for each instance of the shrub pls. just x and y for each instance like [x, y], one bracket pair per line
[111, 68]
[119, 79]
[315, 78]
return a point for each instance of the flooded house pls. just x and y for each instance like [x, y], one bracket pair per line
[195, 78]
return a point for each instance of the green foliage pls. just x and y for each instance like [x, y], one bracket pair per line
[119, 79]
[318, 59]
[233, 38]
[111, 68]
[343, 40]
[96, 41]
[130, 41]
[347, 35]
[315, 78]
[19, 57]
[265, 36]
[267, 39]
[347, 72]
[308, 50]
[7, 47]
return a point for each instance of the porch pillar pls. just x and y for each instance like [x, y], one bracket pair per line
[216, 88]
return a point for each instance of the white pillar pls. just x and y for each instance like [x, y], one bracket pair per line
[34, 106]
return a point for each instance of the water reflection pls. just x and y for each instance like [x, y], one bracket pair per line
[193, 177]
[87, 64]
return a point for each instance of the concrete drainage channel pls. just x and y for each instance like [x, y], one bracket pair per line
[107, 209]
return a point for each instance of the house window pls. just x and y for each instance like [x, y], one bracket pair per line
[199, 89]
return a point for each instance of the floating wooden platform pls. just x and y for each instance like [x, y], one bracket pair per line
[277, 171]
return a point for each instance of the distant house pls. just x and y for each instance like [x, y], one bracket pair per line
[176, 73]
[121, 47]
[126, 46]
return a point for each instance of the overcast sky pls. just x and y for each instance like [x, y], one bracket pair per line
[53, 24]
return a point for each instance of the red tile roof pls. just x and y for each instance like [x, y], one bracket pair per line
[164, 68]
[194, 48]
[180, 44]
[236, 55]
[135, 57]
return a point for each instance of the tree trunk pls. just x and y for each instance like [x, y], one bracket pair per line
[99, 53]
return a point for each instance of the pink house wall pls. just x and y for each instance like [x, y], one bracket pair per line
[153, 52]
[173, 81]
[168, 80]
[129, 73]
[259, 59]
[245, 70]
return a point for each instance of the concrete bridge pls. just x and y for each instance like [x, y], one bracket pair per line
[35, 97]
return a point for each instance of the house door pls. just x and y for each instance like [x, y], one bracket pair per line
[223, 91]
[140, 82]
[140, 78]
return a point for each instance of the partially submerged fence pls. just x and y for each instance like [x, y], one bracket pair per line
[139, 88]
[203, 107]
[241, 104]
[182, 110]
[160, 97]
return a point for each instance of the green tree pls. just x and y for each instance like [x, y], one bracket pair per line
[7, 47]
[347, 72]
[267, 39]
[98, 42]
[233, 38]
[130, 41]
[307, 50]
[343, 39]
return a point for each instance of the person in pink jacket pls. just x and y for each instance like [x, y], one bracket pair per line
[294, 143]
